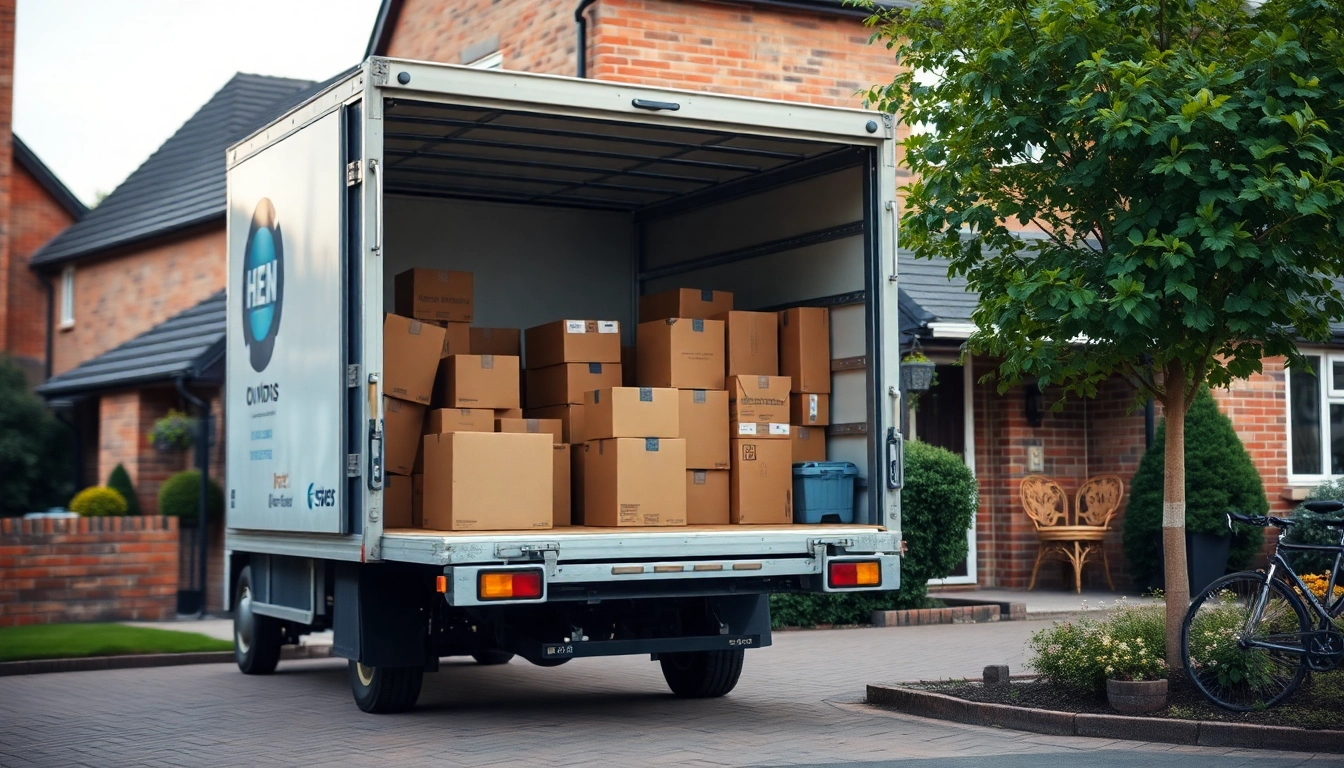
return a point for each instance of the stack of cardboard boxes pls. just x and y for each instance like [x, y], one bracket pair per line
[805, 358]
[634, 465]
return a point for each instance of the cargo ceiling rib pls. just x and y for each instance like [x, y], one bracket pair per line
[182, 183]
[189, 344]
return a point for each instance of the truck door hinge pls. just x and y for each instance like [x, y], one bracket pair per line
[546, 550]
[352, 464]
[354, 173]
[352, 375]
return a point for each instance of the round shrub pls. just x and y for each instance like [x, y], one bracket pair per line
[180, 495]
[1309, 530]
[120, 481]
[1219, 478]
[98, 501]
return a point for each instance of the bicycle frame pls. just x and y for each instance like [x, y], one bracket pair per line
[1325, 611]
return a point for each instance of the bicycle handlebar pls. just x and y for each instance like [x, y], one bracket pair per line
[1260, 521]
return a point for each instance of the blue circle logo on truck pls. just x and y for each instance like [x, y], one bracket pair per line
[263, 284]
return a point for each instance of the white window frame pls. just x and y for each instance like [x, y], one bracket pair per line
[489, 61]
[66, 298]
[1328, 396]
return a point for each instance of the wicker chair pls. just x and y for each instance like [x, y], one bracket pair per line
[1076, 540]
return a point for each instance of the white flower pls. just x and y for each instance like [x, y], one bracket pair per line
[1110, 670]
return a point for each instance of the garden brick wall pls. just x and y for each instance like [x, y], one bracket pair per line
[88, 569]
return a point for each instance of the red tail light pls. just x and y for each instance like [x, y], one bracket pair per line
[509, 585]
[865, 573]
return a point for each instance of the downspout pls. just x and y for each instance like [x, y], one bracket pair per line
[581, 24]
[203, 463]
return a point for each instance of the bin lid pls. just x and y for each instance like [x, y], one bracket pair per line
[819, 468]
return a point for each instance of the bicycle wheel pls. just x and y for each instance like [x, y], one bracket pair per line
[1218, 628]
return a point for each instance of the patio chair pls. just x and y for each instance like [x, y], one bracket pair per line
[1072, 540]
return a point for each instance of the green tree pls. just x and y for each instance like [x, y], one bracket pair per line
[34, 448]
[1183, 162]
[120, 481]
[1219, 478]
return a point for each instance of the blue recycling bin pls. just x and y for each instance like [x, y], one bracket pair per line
[823, 491]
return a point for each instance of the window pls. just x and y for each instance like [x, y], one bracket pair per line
[67, 298]
[490, 61]
[1316, 417]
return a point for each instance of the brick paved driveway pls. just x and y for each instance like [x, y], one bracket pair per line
[797, 705]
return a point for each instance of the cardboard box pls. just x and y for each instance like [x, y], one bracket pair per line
[398, 502]
[758, 406]
[761, 484]
[433, 294]
[707, 497]
[574, 341]
[487, 481]
[566, 384]
[561, 470]
[630, 412]
[805, 348]
[634, 482]
[576, 500]
[687, 354]
[689, 303]
[809, 410]
[478, 381]
[410, 358]
[752, 343]
[403, 424]
[445, 420]
[703, 418]
[456, 339]
[809, 443]
[552, 427]
[418, 500]
[571, 420]
[495, 341]
[508, 413]
[628, 368]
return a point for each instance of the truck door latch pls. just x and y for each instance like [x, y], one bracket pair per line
[354, 173]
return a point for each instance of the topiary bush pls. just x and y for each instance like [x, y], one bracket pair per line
[1219, 478]
[34, 448]
[1309, 531]
[180, 495]
[120, 481]
[98, 501]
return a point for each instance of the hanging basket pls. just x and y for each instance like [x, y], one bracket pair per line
[917, 376]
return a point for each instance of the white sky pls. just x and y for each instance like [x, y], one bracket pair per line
[100, 84]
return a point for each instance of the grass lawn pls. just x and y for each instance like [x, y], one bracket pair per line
[63, 641]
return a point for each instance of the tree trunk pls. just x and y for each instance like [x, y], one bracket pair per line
[1173, 513]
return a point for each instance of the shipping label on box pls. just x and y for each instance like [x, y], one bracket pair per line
[809, 410]
[561, 476]
[805, 348]
[403, 423]
[685, 354]
[434, 294]
[758, 406]
[809, 444]
[445, 420]
[479, 381]
[488, 481]
[410, 358]
[398, 502]
[574, 341]
[631, 412]
[495, 341]
[566, 384]
[634, 482]
[690, 303]
[571, 420]
[751, 343]
[703, 416]
[761, 484]
[552, 427]
[707, 497]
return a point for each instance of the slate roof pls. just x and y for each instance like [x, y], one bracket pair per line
[189, 344]
[182, 183]
[944, 299]
[30, 162]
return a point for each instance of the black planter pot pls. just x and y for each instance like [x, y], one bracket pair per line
[1205, 560]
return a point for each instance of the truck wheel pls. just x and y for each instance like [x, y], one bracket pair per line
[701, 674]
[491, 658]
[383, 690]
[256, 638]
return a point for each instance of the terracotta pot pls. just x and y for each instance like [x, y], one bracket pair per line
[1135, 697]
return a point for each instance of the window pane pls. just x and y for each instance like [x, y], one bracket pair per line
[1305, 390]
[1337, 376]
[1336, 439]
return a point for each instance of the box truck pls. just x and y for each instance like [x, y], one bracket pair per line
[564, 198]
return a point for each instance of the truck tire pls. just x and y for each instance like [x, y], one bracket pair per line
[491, 658]
[256, 638]
[701, 674]
[384, 690]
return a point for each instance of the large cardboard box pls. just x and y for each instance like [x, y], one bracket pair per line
[445, 420]
[689, 303]
[761, 485]
[687, 354]
[703, 416]
[403, 423]
[410, 357]
[418, 500]
[571, 420]
[456, 339]
[634, 482]
[809, 410]
[577, 457]
[574, 341]
[630, 412]
[433, 294]
[809, 443]
[552, 427]
[398, 502]
[752, 343]
[566, 384]
[707, 497]
[495, 341]
[758, 406]
[805, 348]
[561, 498]
[508, 413]
[487, 481]
[478, 381]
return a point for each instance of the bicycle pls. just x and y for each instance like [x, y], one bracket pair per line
[1247, 641]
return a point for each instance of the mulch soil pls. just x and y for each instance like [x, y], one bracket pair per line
[1317, 705]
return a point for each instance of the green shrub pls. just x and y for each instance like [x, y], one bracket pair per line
[1080, 654]
[180, 495]
[98, 501]
[34, 448]
[1219, 478]
[120, 481]
[1309, 531]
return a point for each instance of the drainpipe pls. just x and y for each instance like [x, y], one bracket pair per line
[581, 24]
[203, 463]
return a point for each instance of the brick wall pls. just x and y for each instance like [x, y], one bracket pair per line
[118, 298]
[89, 569]
[34, 218]
[532, 36]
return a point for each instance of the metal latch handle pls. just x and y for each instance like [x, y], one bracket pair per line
[895, 459]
